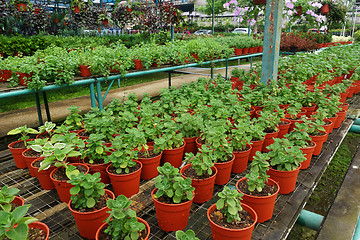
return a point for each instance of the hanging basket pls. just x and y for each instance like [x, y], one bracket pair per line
[325, 9]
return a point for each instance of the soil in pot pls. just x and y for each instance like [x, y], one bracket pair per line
[38, 231]
[218, 217]
[17, 202]
[269, 139]
[101, 203]
[143, 235]
[16, 149]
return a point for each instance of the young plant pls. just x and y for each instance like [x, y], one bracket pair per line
[239, 136]
[238, 73]
[87, 190]
[269, 121]
[299, 136]
[188, 235]
[14, 225]
[122, 222]
[7, 195]
[189, 124]
[284, 156]
[122, 159]
[229, 204]
[257, 176]
[24, 131]
[95, 150]
[170, 137]
[47, 128]
[172, 185]
[201, 162]
[314, 127]
[74, 121]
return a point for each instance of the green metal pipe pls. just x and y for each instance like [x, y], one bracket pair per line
[310, 219]
[37, 100]
[108, 89]
[356, 235]
[355, 129]
[99, 96]
[227, 68]
[92, 95]
[357, 121]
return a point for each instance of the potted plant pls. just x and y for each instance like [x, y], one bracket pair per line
[202, 172]
[105, 18]
[317, 133]
[172, 197]
[171, 142]
[74, 121]
[147, 155]
[269, 121]
[8, 200]
[238, 218]
[237, 76]
[77, 5]
[21, 5]
[240, 141]
[256, 131]
[19, 146]
[46, 130]
[122, 222]
[188, 235]
[94, 154]
[30, 155]
[285, 159]
[123, 170]
[88, 203]
[259, 190]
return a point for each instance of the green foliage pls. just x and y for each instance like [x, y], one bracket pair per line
[299, 136]
[74, 121]
[87, 190]
[95, 148]
[357, 35]
[171, 137]
[257, 176]
[24, 131]
[239, 136]
[172, 185]
[189, 124]
[47, 128]
[188, 235]
[229, 204]
[122, 222]
[201, 162]
[7, 195]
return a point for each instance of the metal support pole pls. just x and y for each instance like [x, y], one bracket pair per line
[172, 32]
[227, 67]
[213, 16]
[92, 96]
[99, 96]
[46, 104]
[251, 62]
[212, 70]
[37, 100]
[249, 29]
[272, 35]
[169, 72]
[352, 34]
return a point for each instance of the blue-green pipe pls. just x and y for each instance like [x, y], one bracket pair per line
[92, 95]
[355, 128]
[357, 121]
[99, 96]
[310, 219]
[356, 235]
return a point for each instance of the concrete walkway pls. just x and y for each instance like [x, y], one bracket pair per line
[58, 110]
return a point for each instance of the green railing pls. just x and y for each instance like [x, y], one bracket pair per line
[96, 95]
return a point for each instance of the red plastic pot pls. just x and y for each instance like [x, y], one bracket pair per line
[308, 151]
[340, 119]
[221, 233]
[309, 110]
[140, 220]
[329, 125]
[256, 146]
[238, 51]
[138, 64]
[333, 120]
[195, 56]
[245, 51]
[234, 82]
[357, 88]
[204, 188]
[18, 201]
[319, 140]
[17, 155]
[24, 78]
[89, 222]
[101, 168]
[251, 50]
[343, 97]
[198, 144]
[5, 75]
[325, 9]
[261, 49]
[125, 184]
[76, 9]
[350, 91]
[171, 217]
[84, 71]
[241, 160]
[344, 107]
[292, 124]
[264, 205]
[173, 156]
[41, 226]
[28, 161]
[149, 166]
[285, 179]
[190, 145]
[284, 128]
[44, 175]
[21, 7]
[63, 187]
[224, 171]
[269, 139]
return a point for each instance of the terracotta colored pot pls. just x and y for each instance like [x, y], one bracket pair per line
[138, 64]
[350, 91]
[344, 107]
[76, 9]
[319, 140]
[173, 156]
[340, 119]
[101, 168]
[309, 110]
[171, 217]
[28, 161]
[245, 51]
[234, 82]
[125, 184]
[224, 171]
[357, 88]
[195, 56]
[140, 220]
[149, 166]
[284, 128]
[238, 51]
[41, 226]
[221, 233]
[308, 151]
[5, 75]
[292, 124]
[89, 222]
[333, 120]
[63, 187]
[18, 201]
[285, 179]
[21, 7]
[263, 206]
[44, 175]
[24, 78]
[269, 139]
[261, 49]
[343, 97]
[251, 50]
[204, 188]
[190, 145]
[256, 146]
[198, 144]
[84, 71]
[329, 125]
[241, 160]
[17, 155]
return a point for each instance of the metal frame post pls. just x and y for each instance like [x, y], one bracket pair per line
[169, 73]
[213, 17]
[212, 70]
[354, 19]
[227, 67]
[270, 60]
[46, 104]
[38, 107]
[99, 96]
[92, 95]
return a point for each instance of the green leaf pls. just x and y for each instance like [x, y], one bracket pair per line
[99, 150]
[220, 204]
[232, 210]
[90, 202]
[18, 233]
[75, 190]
